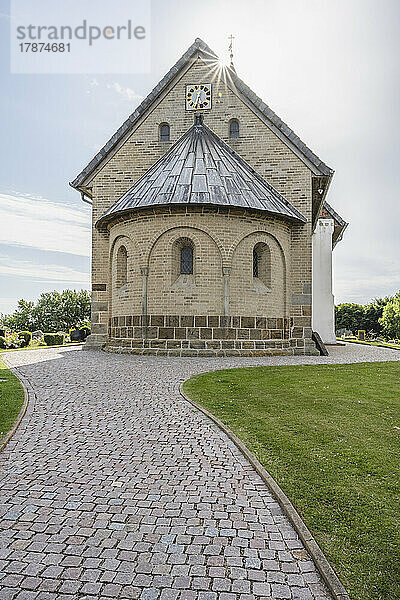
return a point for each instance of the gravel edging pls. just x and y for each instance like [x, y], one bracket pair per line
[27, 397]
[326, 571]
[377, 345]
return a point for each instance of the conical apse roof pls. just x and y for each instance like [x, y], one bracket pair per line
[201, 169]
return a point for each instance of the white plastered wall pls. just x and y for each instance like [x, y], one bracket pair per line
[323, 307]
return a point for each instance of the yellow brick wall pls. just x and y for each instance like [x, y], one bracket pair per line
[262, 149]
[219, 239]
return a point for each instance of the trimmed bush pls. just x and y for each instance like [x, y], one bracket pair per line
[3, 342]
[54, 339]
[25, 337]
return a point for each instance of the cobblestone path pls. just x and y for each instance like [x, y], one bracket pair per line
[115, 487]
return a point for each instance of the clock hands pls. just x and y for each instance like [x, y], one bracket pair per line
[198, 98]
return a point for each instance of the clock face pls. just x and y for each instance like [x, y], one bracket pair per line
[198, 96]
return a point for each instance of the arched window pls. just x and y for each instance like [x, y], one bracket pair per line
[164, 132]
[262, 263]
[234, 128]
[186, 266]
[122, 267]
[256, 263]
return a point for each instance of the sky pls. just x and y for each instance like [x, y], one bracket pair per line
[330, 70]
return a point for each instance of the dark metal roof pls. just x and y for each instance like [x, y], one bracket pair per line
[201, 169]
[340, 224]
[335, 215]
[200, 48]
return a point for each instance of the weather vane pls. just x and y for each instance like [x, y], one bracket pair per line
[231, 38]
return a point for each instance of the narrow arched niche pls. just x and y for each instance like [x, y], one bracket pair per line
[262, 266]
[122, 267]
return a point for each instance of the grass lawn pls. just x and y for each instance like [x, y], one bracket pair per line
[329, 435]
[11, 399]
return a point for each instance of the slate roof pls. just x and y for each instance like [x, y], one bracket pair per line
[201, 169]
[340, 224]
[200, 48]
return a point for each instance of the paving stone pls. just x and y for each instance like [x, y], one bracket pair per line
[241, 586]
[134, 486]
[280, 591]
[92, 589]
[150, 594]
[111, 590]
[169, 594]
[7, 593]
[301, 594]
[261, 589]
[30, 583]
[70, 586]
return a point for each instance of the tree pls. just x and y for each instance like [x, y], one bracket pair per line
[22, 318]
[349, 316]
[54, 311]
[390, 319]
[372, 314]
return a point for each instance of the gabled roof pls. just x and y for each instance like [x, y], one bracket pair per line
[202, 169]
[339, 223]
[200, 49]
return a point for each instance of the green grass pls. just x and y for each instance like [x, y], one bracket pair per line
[11, 399]
[329, 435]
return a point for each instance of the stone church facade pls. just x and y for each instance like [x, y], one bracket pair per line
[205, 209]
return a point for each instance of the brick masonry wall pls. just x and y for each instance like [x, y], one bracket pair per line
[223, 242]
[259, 146]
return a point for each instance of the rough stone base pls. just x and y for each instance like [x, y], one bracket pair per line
[210, 335]
[210, 347]
[196, 353]
[95, 341]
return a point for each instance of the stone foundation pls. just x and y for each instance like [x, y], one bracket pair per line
[185, 335]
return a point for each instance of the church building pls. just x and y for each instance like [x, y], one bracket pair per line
[211, 230]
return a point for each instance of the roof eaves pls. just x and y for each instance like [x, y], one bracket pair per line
[335, 215]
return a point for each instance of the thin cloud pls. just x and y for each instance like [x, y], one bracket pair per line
[39, 223]
[362, 281]
[54, 273]
[124, 91]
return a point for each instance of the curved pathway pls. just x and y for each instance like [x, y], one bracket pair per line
[115, 487]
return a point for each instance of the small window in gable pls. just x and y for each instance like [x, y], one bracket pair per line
[234, 128]
[164, 132]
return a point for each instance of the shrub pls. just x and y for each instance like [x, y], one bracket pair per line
[11, 340]
[25, 337]
[54, 339]
[3, 342]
